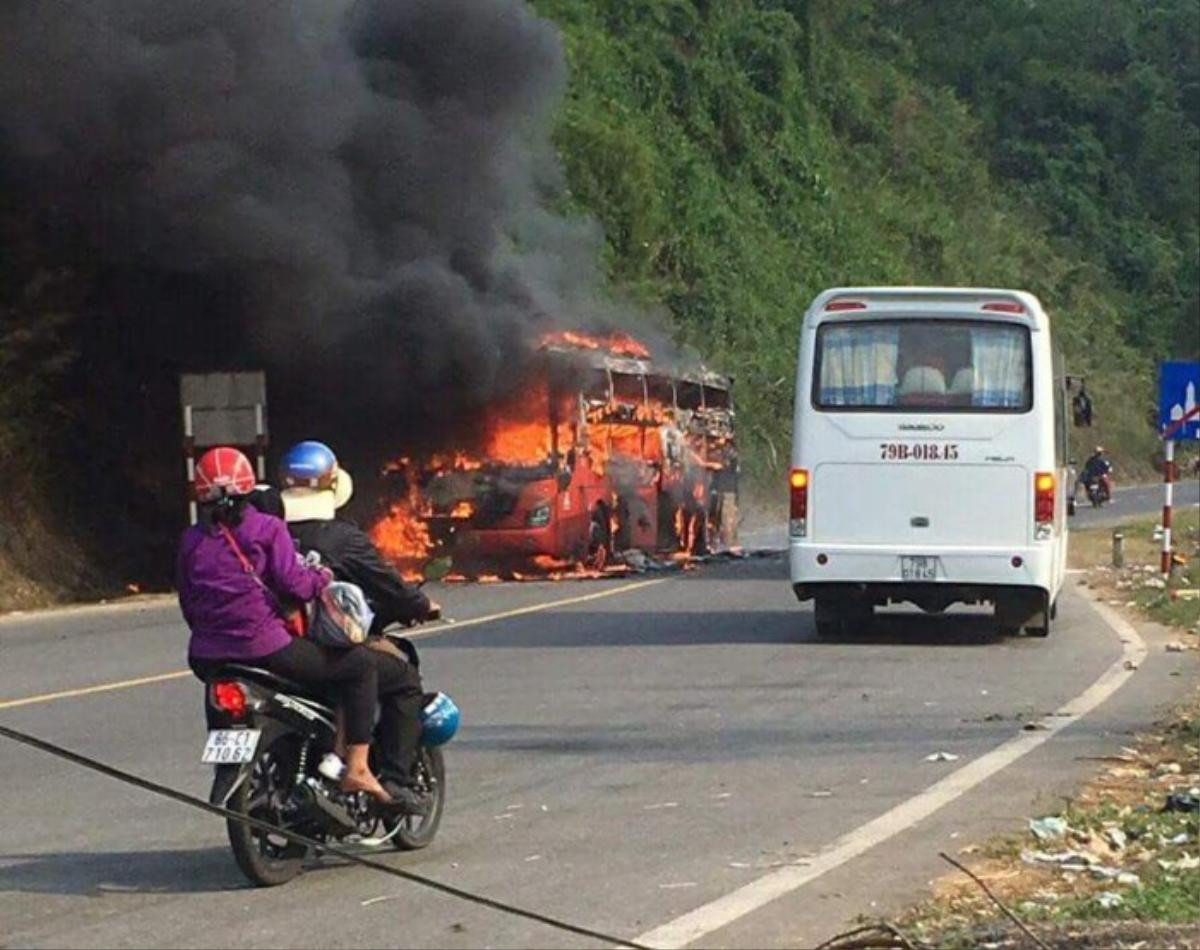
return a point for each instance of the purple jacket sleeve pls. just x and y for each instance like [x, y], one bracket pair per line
[286, 575]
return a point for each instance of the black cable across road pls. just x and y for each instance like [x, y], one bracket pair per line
[157, 789]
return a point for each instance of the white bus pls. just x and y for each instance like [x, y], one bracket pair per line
[929, 456]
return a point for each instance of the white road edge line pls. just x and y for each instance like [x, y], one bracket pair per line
[726, 910]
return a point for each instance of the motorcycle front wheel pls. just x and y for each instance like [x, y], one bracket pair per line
[267, 860]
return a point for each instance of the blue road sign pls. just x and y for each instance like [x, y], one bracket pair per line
[1179, 401]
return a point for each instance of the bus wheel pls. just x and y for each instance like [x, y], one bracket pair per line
[830, 621]
[1039, 623]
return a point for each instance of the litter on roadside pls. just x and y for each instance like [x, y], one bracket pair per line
[1186, 863]
[1046, 828]
[1067, 860]
[1183, 801]
[1108, 900]
[1127, 878]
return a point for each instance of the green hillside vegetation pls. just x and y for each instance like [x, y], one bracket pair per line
[744, 154]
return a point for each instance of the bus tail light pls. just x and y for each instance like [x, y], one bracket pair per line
[798, 484]
[1043, 504]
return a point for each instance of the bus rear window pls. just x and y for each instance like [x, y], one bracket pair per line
[923, 365]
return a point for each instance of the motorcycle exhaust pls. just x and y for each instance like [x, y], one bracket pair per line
[314, 798]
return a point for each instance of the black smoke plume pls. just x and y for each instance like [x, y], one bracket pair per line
[357, 196]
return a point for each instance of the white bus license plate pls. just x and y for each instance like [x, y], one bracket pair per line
[230, 746]
[918, 568]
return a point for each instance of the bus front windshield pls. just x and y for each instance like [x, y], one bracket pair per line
[923, 365]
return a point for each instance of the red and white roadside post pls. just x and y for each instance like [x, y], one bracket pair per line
[1169, 477]
[189, 454]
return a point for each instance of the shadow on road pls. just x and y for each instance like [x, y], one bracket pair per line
[914, 629]
[95, 874]
[715, 628]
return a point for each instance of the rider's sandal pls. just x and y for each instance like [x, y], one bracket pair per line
[377, 791]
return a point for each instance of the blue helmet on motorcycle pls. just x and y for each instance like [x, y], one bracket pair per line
[439, 720]
[308, 464]
[314, 484]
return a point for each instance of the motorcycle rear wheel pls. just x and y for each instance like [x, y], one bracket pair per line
[266, 860]
[418, 831]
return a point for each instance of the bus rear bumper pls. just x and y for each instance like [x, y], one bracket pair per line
[976, 575]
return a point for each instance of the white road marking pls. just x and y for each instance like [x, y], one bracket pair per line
[726, 910]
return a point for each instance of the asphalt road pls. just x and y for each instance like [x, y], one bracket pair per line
[1138, 500]
[625, 759]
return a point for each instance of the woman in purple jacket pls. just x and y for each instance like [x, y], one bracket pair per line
[234, 569]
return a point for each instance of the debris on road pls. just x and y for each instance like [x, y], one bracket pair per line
[941, 757]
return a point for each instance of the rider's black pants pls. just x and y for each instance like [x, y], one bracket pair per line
[400, 700]
[350, 674]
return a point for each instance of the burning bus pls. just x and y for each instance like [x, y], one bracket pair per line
[601, 452]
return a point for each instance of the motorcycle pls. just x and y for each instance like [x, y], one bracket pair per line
[268, 740]
[1099, 491]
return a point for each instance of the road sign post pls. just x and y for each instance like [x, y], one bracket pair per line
[1178, 418]
[223, 409]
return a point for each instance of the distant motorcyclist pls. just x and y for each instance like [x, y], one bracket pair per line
[314, 488]
[1097, 470]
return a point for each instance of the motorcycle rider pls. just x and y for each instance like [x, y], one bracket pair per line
[314, 488]
[233, 570]
[1098, 469]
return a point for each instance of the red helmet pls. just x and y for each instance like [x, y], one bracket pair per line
[223, 471]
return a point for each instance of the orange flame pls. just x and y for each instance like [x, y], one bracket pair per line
[617, 343]
[403, 538]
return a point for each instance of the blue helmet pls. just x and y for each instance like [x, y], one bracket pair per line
[439, 720]
[309, 465]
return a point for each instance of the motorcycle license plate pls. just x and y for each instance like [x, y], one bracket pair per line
[230, 746]
[918, 568]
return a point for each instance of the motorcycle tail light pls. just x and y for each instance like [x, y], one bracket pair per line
[229, 697]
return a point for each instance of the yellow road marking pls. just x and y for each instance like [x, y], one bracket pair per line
[88, 690]
[531, 609]
[433, 632]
